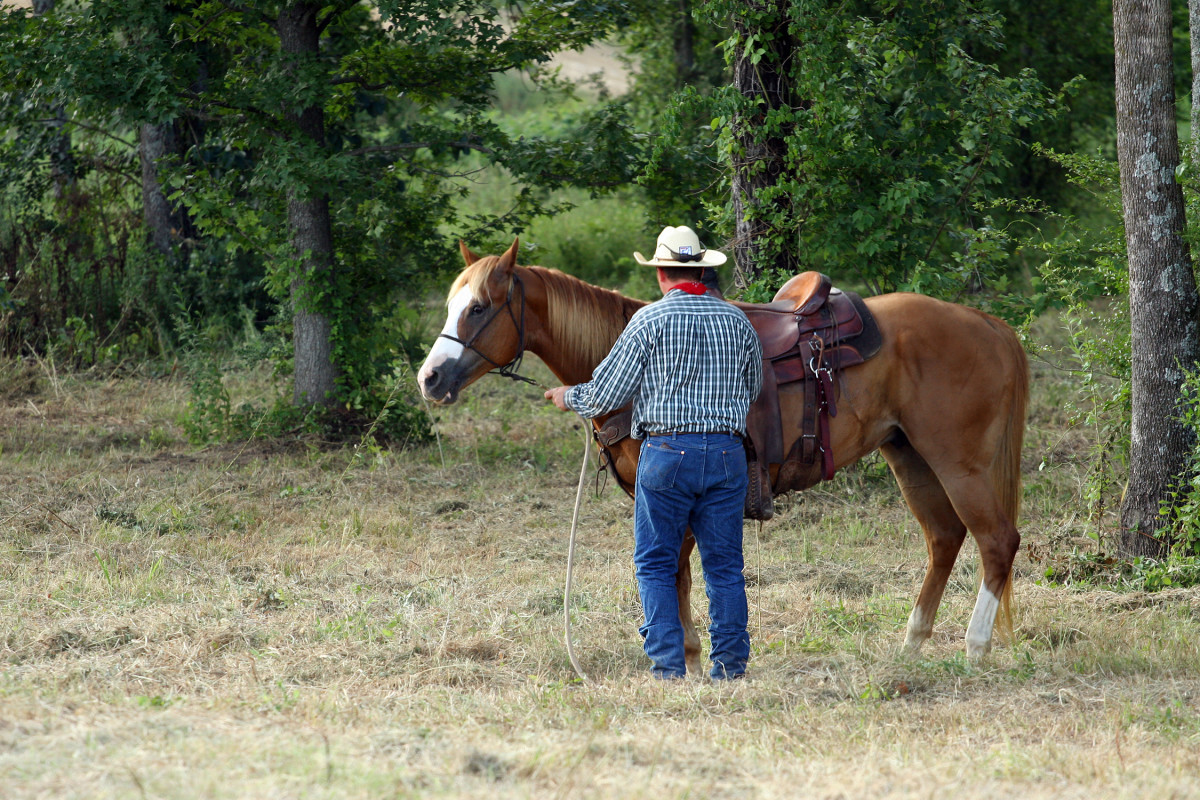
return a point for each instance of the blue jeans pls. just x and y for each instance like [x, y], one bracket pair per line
[696, 479]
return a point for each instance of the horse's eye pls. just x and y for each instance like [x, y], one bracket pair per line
[477, 309]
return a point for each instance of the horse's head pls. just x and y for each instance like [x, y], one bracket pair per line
[484, 326]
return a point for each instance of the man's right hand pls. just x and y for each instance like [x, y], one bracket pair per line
[557, 395]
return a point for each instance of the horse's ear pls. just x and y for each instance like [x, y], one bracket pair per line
[509, 259]
[467, 255]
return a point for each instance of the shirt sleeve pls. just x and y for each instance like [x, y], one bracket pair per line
[754, 366]
[616, 379]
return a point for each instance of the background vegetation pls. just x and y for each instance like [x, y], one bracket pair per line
[962, 149]
[209, 590]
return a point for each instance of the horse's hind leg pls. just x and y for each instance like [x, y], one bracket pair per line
[974, 498]
[683, 589]
[944, 533]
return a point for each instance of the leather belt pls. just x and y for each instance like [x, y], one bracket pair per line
[734, 434]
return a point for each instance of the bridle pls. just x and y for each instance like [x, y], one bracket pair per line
[508, 370]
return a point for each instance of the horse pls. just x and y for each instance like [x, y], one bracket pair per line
[943, 401]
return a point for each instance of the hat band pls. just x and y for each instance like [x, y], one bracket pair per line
[685, 257]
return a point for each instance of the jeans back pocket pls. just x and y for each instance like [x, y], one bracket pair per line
[658, 465]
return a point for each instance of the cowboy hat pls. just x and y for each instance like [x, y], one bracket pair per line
[680, 247]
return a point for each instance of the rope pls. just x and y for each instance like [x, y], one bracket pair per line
[587, 446]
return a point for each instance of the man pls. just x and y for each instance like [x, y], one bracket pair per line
[692, 364]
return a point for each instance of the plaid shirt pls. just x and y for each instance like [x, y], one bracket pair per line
[690, 363]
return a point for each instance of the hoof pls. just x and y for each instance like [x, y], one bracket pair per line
[912, 644]
[977, 651]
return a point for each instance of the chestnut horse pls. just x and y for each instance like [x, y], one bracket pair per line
[944, 401]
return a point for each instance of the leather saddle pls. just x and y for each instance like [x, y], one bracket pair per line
[809, 331]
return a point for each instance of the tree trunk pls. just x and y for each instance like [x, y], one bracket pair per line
[1163, 301]
[1194, 39]
[311, 231]
[169, 225]
[685, 44]
[759, 160]
[311, 330]
[163, 222]
[62, 160]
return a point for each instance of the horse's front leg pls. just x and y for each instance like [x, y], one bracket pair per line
[683, 588]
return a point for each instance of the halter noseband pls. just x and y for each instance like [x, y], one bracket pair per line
[508, 370]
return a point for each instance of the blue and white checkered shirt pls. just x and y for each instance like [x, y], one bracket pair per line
[690, 363]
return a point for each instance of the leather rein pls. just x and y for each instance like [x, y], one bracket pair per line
[508, 370]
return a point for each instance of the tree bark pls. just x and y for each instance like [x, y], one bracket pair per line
[169, 225]
[311, 231]
[62, 160]
[759, 161]
[1194, 41]
[1163, 302]
[163, 222]
[685, 44]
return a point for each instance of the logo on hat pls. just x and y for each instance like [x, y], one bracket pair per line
[680, 247]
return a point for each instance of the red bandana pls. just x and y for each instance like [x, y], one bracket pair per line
[691, 287]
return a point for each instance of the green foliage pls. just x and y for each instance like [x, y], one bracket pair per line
[72, 243]
[405, 100]
[66, 267]
[405, 95]
[1182, 510]
[591, 238]
[1096, 570]
[1069, 42]
[587, 233]
[1177, 571]
[210, 414]
[209, 351]
[1084, 272]
[895, 138]
[670, 98]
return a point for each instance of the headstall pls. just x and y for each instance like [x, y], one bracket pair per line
[508, 370]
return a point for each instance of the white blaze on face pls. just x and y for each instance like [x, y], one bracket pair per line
[443, 349]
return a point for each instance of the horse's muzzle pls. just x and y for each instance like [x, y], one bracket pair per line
[439, 385]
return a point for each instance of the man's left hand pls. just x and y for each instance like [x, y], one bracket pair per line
[557, 395]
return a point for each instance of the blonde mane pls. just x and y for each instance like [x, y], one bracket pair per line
[582, 319]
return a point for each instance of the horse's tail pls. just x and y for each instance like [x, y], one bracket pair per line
[1006, 468]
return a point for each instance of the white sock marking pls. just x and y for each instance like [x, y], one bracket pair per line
[983, 620]
[918, 630]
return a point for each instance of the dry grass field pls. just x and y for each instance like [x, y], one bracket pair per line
[304, 620]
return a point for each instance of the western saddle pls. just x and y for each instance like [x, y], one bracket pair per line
[809, 331]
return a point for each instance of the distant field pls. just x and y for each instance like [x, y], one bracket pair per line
[305, 620]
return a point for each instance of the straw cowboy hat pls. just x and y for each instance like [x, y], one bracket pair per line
[680, 247]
